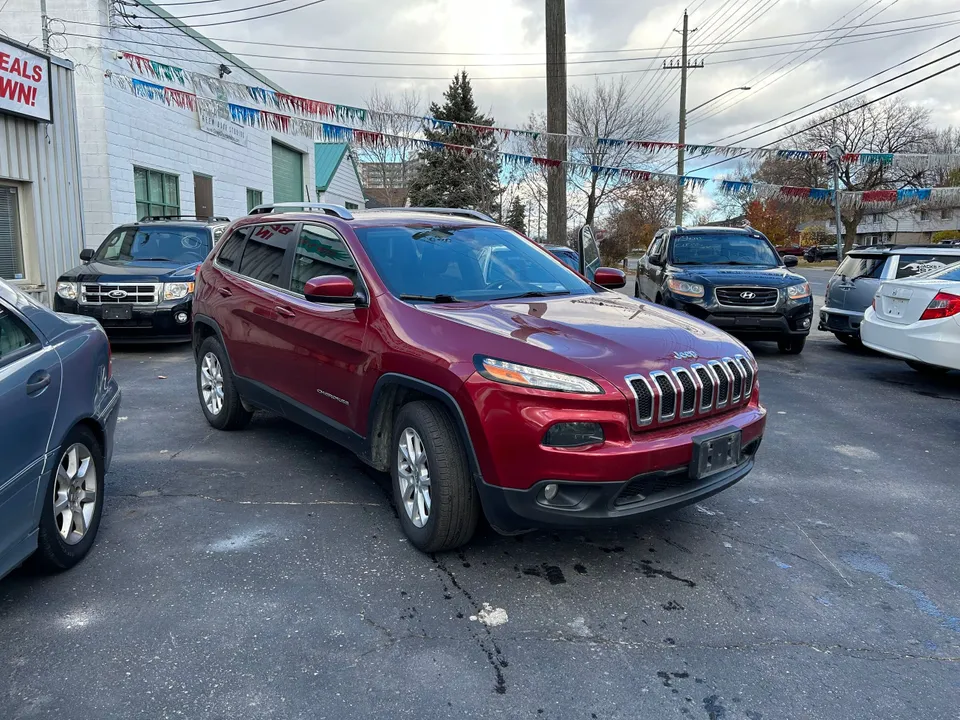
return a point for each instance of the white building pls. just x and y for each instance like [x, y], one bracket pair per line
[40, 214]
[337, 177]
[904, 226]
[140, 157]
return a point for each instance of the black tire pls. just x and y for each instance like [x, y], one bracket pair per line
[636, 290]
[792, 345]
[849, 340]
[455, 505]
[231, 414]
[929, 370]
[54, 553]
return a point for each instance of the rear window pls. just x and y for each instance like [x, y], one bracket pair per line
[862, 267]
[913, 265]
[951, 273]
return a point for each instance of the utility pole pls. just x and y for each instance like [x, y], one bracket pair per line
[44, 26]
[682, 67]
[834, 154]
[556, 32]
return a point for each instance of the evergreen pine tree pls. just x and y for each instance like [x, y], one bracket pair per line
[516, 218]
[451, 179]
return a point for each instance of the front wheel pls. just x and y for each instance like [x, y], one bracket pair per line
[72, 503]
[926, 369]
[792, 345]
[436, 499]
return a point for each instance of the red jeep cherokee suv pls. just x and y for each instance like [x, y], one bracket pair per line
[475, 367]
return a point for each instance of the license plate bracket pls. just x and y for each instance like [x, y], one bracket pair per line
[117, 312]
[715, 452]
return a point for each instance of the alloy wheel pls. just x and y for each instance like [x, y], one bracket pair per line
[211, 383]
[75, 493]
[413, 473]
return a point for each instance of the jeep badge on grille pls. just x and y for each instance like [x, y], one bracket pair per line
[685, 355]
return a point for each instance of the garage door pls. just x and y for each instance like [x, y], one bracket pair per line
[287, 174]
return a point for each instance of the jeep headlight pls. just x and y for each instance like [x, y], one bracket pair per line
[532, 377]
[177, 291]
[67, 290]
[683, 287]
[796, 292]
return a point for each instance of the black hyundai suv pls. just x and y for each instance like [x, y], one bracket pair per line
[730, 277]
[139, 282]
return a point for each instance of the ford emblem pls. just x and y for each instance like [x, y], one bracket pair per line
[117, 294]
[685, 355]
[747, 295]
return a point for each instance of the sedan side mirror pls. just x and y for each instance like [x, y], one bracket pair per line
[790, 261]
[610, 278]
[330, 289]
[87, 254]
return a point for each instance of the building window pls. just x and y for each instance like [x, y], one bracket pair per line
[254, 198]
[158, 194]
[946, 213]
[11, 248]
[876, 217]
[351, 206]
[925, 215]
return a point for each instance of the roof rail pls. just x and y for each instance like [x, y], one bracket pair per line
[328, 209]
[461, 212]
[160, 218]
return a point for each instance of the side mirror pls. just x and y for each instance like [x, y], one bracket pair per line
[87, 254]
[610, 278]
[330, 289]
[790, 260]
[654, 260]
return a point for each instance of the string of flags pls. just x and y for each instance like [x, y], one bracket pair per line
[324, 131]
[217, 88]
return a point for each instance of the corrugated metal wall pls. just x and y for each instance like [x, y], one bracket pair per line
[46, 157]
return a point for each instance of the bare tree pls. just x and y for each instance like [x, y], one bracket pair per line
[392, 162]
[643, 208]
[891, 126]
[608, 110]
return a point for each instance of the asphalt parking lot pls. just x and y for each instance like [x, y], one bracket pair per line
[263, 574]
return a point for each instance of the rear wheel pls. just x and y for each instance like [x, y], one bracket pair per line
[792, 345]
[432, 487]
[218, 395]
[925, 369]
[72, 503]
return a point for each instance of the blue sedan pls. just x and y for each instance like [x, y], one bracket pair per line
[58, 412]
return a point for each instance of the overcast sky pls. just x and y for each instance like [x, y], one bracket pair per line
[510, 34]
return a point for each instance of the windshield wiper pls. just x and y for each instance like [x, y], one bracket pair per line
[154, 259]
[690, 262]
[441, 298]
[534, 294]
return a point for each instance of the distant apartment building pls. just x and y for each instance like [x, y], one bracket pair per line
[904, 226]
[387, 183]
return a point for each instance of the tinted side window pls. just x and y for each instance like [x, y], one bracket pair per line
[14, 335]
[320, 251]
[861, 267]
[911, 265]
[263, 252]
[117, 245]
[229, 255]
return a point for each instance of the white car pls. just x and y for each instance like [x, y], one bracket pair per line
[918, 320]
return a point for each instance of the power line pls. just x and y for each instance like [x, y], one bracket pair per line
[845, 112]
[236, 10]
[215, 24]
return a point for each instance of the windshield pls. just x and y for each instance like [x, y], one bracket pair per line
[732, 249]
[951, 273]
[854, 267]
[452, 263]
[161, 244]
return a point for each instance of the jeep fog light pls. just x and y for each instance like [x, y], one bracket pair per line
[550, 491]
[574, 434]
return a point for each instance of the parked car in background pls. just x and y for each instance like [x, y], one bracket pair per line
[58, 411]
[139, 283]
[918, 320]
[475, 367]
[820, 252]
[568, 256]
[730, 277]
[853, 286]
[794, 250]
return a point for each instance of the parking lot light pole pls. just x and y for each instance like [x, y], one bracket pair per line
[725, 92]
[834, 154]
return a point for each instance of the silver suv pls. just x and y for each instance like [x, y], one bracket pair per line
[851, 289]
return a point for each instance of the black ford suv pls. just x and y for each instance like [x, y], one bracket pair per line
[730, 277]
[139, 282]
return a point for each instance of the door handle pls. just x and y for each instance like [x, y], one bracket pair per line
[226, 292]
[37, 382]
[285, 312]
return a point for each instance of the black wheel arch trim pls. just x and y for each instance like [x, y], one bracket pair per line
[434, 391]
[209, 322]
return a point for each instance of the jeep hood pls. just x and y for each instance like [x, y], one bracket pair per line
[609, 333]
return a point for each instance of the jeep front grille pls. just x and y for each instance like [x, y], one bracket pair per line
[134, 293]
[681, 393]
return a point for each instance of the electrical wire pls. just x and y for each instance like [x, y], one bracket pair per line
[132, 18]
[236, 10]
